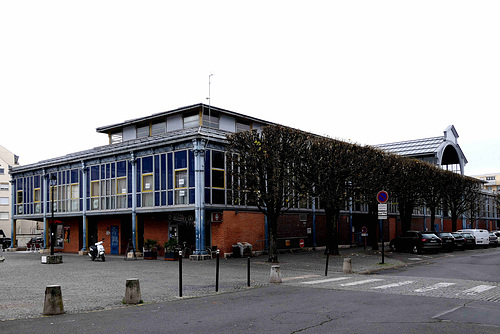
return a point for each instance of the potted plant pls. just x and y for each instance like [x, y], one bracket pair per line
[150, 252]
[171, 250]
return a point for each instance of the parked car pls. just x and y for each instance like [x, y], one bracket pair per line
[416, 242]
[470, 240]
[5, 242]
[493, 240]
[35, 243]
[482, 236]
[459, 240]
[448, 241]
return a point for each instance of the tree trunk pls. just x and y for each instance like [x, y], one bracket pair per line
[406, 213]
[433, 218]
[273, 239]
[372, 227]
[331, 217]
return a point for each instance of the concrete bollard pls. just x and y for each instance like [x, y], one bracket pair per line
[132, 291]
[53, 304]
[275, 274]
[347, 267]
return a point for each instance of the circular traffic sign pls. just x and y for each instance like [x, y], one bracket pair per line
[382, 197]
[301, 243]
[364, 229]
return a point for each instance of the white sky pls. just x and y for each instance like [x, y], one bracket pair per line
[368, 71]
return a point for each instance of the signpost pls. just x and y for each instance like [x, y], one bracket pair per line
[382, 198]
[364, 234]
[301, 243]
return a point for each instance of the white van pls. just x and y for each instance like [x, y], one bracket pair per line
[482, 236]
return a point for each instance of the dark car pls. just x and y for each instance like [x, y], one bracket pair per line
[35, 243]
[448, 240]
[416, 242]
[493, 240]
[5, 242]
[459, 240]
[470, 240]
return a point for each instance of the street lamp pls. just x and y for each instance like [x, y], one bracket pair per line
[53, 182]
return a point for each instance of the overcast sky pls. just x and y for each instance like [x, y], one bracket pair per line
[367, 71]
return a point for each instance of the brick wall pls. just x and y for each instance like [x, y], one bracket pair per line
[74, 244]
[239, 227]
[156, 229]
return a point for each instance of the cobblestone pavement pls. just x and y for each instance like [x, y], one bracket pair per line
[88, 285]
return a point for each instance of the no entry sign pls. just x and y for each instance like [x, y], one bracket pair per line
[301, 243]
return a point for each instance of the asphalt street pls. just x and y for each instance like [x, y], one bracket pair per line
[375, 298]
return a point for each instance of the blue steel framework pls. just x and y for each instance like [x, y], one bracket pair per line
[180, 170]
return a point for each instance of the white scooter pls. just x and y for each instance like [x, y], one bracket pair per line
[97, 251]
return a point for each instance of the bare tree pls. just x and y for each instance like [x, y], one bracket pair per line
[268, 164]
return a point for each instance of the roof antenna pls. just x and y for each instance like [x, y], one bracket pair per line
[208, 98]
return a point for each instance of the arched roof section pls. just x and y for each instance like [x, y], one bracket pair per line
[443, 151]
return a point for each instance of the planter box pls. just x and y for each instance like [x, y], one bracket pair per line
[171, 256]
[150, 255]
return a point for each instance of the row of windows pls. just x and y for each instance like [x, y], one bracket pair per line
[189, 120]
[161, 180]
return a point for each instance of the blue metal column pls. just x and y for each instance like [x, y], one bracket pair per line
[12, 220]
[199, 194]
[84, 209]
[45, 209]
[134, 200]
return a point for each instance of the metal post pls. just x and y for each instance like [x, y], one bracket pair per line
[180, 273]
[327, 258]
[382, 238]
[248, 271]
[217, 273]
[52, 178]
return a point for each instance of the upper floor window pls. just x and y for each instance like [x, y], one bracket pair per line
[4, 186]
[2, 171]
[490, 178]
[158, 128]
[191, 120]
[143, 131]
[116, 137]
[242, 126]
[211, 120]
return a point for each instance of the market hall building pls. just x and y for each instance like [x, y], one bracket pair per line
[159, 177]
[166, 175]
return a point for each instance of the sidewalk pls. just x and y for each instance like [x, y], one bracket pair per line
[88, 285]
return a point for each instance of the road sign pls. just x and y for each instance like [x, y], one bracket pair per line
[364, 229]
[382, 211]
[301, 243]
[382, 197]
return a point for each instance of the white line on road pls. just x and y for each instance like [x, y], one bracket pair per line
[393, 285]
[362, 282]
[326, 280]
[475, 290]
[435, 287]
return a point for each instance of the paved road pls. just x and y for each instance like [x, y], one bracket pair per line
[307, 301]
[88, 285]
[279, 309]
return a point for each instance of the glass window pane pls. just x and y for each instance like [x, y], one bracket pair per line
[147, 182]
[218, 159]
[217, 178]
[181, 179]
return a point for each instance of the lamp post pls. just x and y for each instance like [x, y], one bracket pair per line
[53, 182]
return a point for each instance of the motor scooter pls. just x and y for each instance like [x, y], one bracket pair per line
[97, 251]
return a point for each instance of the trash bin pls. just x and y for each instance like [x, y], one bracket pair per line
[236, 251]
[245, 249]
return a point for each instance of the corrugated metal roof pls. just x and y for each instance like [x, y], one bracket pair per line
[417, 147]
[129, 146]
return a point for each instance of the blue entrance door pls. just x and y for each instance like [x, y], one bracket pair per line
[115, 240]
